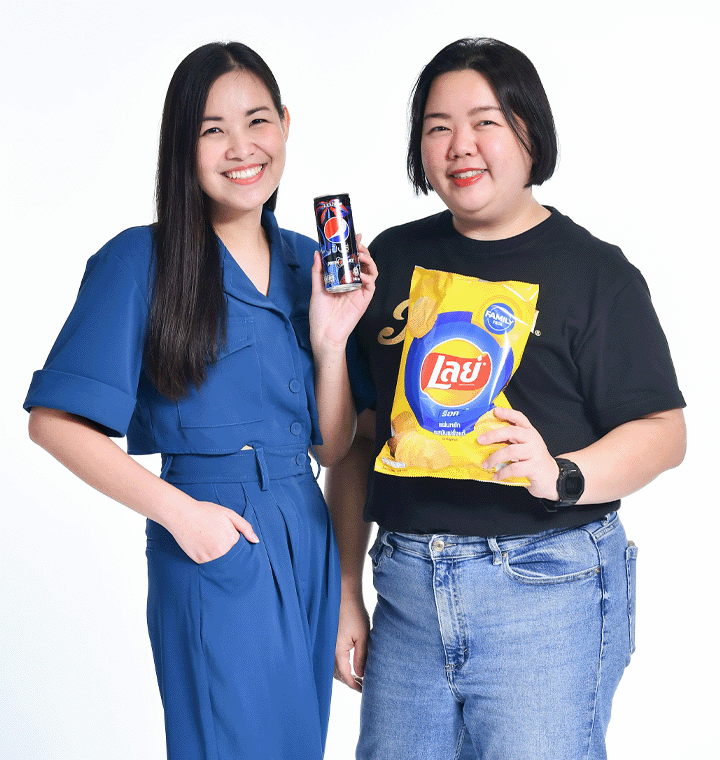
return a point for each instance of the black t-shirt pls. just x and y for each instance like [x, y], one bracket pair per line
[596, 358]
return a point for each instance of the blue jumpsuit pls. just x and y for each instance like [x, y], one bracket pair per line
[244, 644]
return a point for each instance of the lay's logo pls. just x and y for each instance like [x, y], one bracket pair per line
[452, 379]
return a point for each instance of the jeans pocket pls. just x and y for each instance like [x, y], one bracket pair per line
[560, 557]
[631, 565]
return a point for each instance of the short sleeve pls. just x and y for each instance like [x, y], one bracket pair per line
[625, 363]
[94, 367]
[361, 382]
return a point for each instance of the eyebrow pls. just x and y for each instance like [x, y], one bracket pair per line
[247, 113]
[472, 112]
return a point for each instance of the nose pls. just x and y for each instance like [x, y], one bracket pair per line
[240, 146]
[462, 143]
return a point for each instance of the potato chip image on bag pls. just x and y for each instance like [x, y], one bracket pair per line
[464, 340]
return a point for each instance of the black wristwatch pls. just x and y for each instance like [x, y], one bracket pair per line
[570, 485]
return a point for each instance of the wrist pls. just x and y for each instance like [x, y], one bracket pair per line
[569, 486]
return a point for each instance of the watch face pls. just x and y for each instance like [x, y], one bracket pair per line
[573, 486]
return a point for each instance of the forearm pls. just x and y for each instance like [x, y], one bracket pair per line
[630, 456]
[336, 408]
[345, 491]
[101, 463]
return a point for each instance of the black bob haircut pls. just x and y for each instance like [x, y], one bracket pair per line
[519, 92]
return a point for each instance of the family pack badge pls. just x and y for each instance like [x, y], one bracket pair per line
[464, 340]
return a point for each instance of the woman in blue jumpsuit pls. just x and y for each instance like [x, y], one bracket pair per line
[243, 573]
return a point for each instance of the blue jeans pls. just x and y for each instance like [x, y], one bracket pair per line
[506, 648]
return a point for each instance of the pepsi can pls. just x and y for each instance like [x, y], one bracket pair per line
[338, 247]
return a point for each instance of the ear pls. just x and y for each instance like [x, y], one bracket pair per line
[286, 123]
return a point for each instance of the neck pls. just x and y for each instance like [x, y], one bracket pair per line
[240, 231]
[520, 220]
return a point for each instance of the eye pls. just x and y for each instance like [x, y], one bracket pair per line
[211, 131]
[258, 120]
[484, 123]
[438, 128]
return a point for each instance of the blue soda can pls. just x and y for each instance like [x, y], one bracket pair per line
[338, 248]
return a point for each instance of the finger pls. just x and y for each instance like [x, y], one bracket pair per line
[512, 470]
[512, 416]
[342, 669]
[243, 526]
[316, 274]
[505, 434]
[360, 656]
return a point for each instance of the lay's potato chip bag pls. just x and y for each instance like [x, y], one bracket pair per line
[464, 340]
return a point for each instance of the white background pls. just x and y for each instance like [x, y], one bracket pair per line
[633, 87]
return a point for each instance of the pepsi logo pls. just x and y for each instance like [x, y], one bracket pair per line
[336, 229]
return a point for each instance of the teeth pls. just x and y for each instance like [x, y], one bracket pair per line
[473, 173]
[244, 173]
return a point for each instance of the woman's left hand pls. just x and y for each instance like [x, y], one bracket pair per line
[526, 454]
[333, 316]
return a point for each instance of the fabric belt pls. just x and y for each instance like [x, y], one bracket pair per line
[259, 464]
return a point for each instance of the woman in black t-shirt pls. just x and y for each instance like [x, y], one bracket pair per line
[505, 615]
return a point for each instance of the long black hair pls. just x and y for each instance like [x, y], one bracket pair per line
[188, 314]
[519, 92]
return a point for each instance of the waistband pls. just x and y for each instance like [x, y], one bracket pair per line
[447, 545]
[258, 464]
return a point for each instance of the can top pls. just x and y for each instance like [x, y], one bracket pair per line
[330, 197]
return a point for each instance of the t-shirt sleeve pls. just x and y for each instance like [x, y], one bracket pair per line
[361, 382]
[94, 367]
[626, 367]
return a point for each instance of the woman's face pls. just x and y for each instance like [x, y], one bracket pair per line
[471, 156]
[241, 149]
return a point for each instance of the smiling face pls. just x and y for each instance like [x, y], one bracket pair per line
[474, 160]
[241, 149]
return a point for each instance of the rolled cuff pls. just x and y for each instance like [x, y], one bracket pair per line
[103, 404]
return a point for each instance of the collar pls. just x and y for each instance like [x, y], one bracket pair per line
[284, 285]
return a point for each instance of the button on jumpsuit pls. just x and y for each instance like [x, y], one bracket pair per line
[244, 644]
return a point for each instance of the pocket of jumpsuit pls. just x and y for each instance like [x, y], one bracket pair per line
[560, 557]
[159, 539]
[232, 391]
[631, 565]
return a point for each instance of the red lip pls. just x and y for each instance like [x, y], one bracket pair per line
[467, 181]
[247, 180]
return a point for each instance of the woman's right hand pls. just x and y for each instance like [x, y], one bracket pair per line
[206, 531]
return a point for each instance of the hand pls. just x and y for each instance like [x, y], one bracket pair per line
[206, 531]
[525, 451]
[334, 315]
[353, 633]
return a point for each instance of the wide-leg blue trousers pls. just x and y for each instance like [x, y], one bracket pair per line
[244, 645]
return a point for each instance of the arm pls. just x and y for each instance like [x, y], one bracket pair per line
[332, 319]
[204, 530]
[345, 490]
[618, 464]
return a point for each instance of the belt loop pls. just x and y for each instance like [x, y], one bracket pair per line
[167, 460]
[315, 456]
[262, 467]
[497, 554]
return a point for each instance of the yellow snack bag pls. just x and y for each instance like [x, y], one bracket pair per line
[464, 340]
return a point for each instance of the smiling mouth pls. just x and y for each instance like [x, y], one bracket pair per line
[467, 177]
[245, 175]
[468, 173]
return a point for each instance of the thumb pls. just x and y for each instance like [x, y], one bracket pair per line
[318, 283]
[243, 526]
[360, 655]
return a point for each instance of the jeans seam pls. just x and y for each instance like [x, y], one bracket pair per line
[603, 632]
